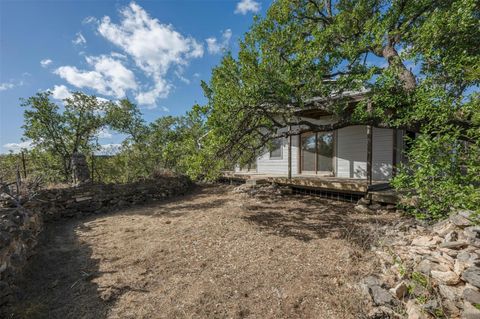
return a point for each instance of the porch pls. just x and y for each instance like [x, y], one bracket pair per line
[379, 191]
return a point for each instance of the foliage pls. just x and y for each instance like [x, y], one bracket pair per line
[417, 62]
[444, 174]
[60, 133]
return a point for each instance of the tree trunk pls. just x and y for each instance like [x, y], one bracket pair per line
[405, 75]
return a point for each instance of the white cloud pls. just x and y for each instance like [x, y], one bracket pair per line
[160, 90]
[104, 133]
[6, 86]
[245, 6]
[90, 19]
[214, 46]
[45, 62]
[181, 77]
[108, 77]
[79, 39]
[165, 109]
[17, 147]
[197, 75]
[109, 149]
[60, 92]
[118, 55]
[154, 47]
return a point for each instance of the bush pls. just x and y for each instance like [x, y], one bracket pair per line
[443, 174]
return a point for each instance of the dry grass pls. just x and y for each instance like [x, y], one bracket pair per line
[212, 254]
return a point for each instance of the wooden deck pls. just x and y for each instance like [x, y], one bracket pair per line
[379, 191]
[347, 185]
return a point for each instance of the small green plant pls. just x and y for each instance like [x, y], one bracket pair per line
[420, 279]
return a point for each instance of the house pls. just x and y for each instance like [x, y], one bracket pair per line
[354, 155]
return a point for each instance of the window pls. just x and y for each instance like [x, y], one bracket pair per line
[324, 152]
[317, 152]
[276, 150]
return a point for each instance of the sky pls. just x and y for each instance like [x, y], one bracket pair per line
[153, 52]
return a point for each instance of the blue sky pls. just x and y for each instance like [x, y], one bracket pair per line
[153, 52]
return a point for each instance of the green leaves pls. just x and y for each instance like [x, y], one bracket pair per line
[63, 131]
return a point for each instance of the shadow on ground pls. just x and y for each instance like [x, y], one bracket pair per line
[315, 218]
[57, 281]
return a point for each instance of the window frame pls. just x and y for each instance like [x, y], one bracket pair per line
[281, 150]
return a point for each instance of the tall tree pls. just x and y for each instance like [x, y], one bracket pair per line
[63, 131]
[417, 61]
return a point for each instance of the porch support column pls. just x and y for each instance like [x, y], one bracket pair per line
[394, 151]
[369, 154]
[289, 152]
[369, 146]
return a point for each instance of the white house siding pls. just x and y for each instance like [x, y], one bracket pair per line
[350, 159]
[268, 165]
[382, 150]
[352, 152]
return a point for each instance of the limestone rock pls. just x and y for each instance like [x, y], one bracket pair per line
[451, 309]
[449, 292]
[363, 209]
[364, 201]
[469, 311]
[454, 245]
[426, 241]
[400, 290]
[443, 228]
[383, 312]
[380, 296]
[459, 267]
[471, 295]
[472, 232]
[472, 276]
[414, 311]
[425, 267]
[460, 220]
[81, 172]
[451, 236]
[445, 277]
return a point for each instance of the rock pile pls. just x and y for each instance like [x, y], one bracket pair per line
[428, 271]
[81, 172]
[19, 229]
[262, 191]
[367, 206]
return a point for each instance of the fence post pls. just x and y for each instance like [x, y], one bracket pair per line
[93, 167]
[24, 165]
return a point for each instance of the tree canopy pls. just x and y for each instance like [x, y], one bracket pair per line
[63, 132]
[416, 62]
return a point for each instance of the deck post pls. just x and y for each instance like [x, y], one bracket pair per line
[394, 151]
[369, 154]
[289, 152]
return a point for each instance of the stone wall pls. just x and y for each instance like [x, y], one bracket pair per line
[20, 227]
[428, 271]
[101, 198]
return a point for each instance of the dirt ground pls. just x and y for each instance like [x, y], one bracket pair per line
[211, 254]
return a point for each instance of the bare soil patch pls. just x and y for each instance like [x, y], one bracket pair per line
[211, 254]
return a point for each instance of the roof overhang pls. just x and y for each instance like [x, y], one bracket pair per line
[318, 107]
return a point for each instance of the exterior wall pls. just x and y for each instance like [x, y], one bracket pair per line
[352, 152]
[350, 155]
[268, 165]
[382, 154]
